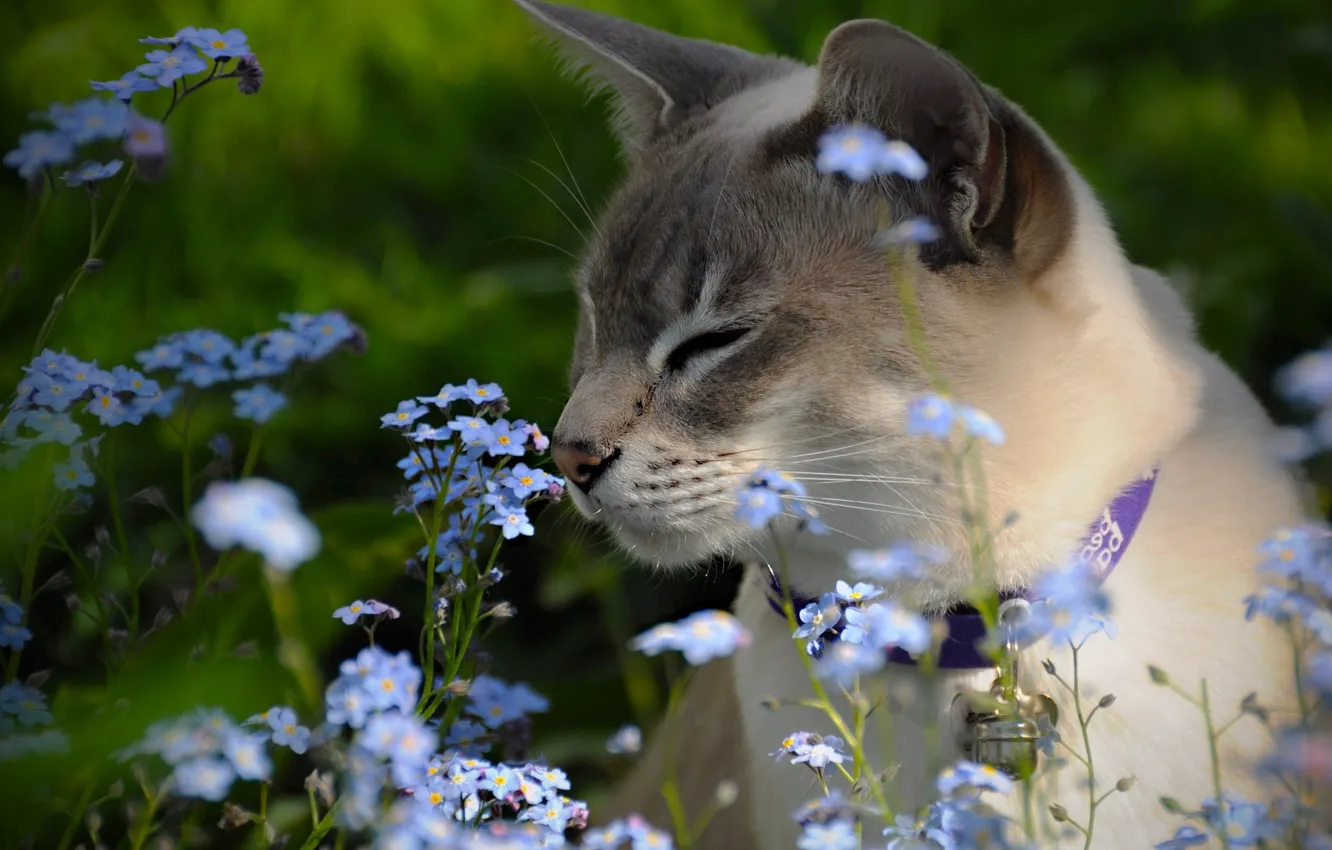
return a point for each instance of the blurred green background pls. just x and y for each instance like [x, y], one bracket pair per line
[409, 162]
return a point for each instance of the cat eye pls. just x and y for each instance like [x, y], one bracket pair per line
[710, 341]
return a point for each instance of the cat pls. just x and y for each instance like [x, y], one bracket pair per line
[737, 311]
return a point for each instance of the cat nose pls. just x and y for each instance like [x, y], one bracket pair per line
[578, 465]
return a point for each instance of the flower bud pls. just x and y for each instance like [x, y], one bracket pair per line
[503, 611]
[1157, 675]
[1125, 783]
[726, 794]
[249, 74]
[1059, 813]
[1106, 701]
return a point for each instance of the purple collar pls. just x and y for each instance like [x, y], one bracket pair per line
[1102, 548]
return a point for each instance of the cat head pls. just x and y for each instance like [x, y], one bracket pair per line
[738, 308]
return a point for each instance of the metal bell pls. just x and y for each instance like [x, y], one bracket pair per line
[1002, 727]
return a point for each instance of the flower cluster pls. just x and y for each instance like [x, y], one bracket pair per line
[767, 493]
[960, 817]
[1300, 559]
[701, 637]
[258, 515]
[938, 416]
[13, 633]
[861, 152]
[94, 120]
[633, 831]
[1070, 606]
[468, 462]
[204, 357]
[207, 752]
[54, 388]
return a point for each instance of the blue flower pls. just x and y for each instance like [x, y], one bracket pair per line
[91, 119]
[1307, 379]
[92, 172]
[38, 150]
[425, 433]
[501, 782]
[757, 506]
[1239, 819]
[25, 703]
[1186, 836]
[166, 354]
[1279, 604]
[180, 36]
[10, 611]
[627, 740]
[1067, 597]
[468, 738]
[258, 403]
[160, 403]
[208, 778]
[819, 617]
[525, 481]
[513, 521]
[481, 393]
[884, 625]
[1299, 553]
[404, 417]
[126, 380]
[913, 231]
[287, 731]
[932, 415]
[836, 835]
[981, 425]
[495, 702]
[127, 86]
[258, 515]
[324, 332]
[73, 474]
[843, 661]
[145, 138]
[702, 636]
[220, 45]
[208, 345]
[54, 391]
[110, 410]
[166, 67]
[506, 441]
[247, 755]
[969, 774]
[53, 427]
[13, 636]
[861, 152]
[861, 592]
[818, 751]
[352, 612]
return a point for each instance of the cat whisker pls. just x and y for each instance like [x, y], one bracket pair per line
[546, 195]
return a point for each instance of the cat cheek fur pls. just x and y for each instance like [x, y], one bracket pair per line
[1036, 315]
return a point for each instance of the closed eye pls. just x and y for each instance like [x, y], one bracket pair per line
[710, 341]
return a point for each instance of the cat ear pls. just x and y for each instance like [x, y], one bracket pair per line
[994, 179]
[659, 80]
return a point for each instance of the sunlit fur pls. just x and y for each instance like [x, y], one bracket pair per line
[1090, 364]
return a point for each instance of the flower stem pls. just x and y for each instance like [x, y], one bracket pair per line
[1206, 705]
[321, 829]
[1087, 747]
[292, 651]
[670, 787]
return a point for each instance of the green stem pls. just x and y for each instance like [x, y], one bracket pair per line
[321, 829]
[29, 569]
[143, 827]
[1087, 747]
[1206, 706]
[820, 693]
[292, 651]
[95, 247]
[314, 808]
[670, 788]
[186, 498]
[76, 818]
[122, 539]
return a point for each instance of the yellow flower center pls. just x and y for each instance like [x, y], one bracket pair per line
[218, 43]
[482, 392]
[436, 798]
[503, 441]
